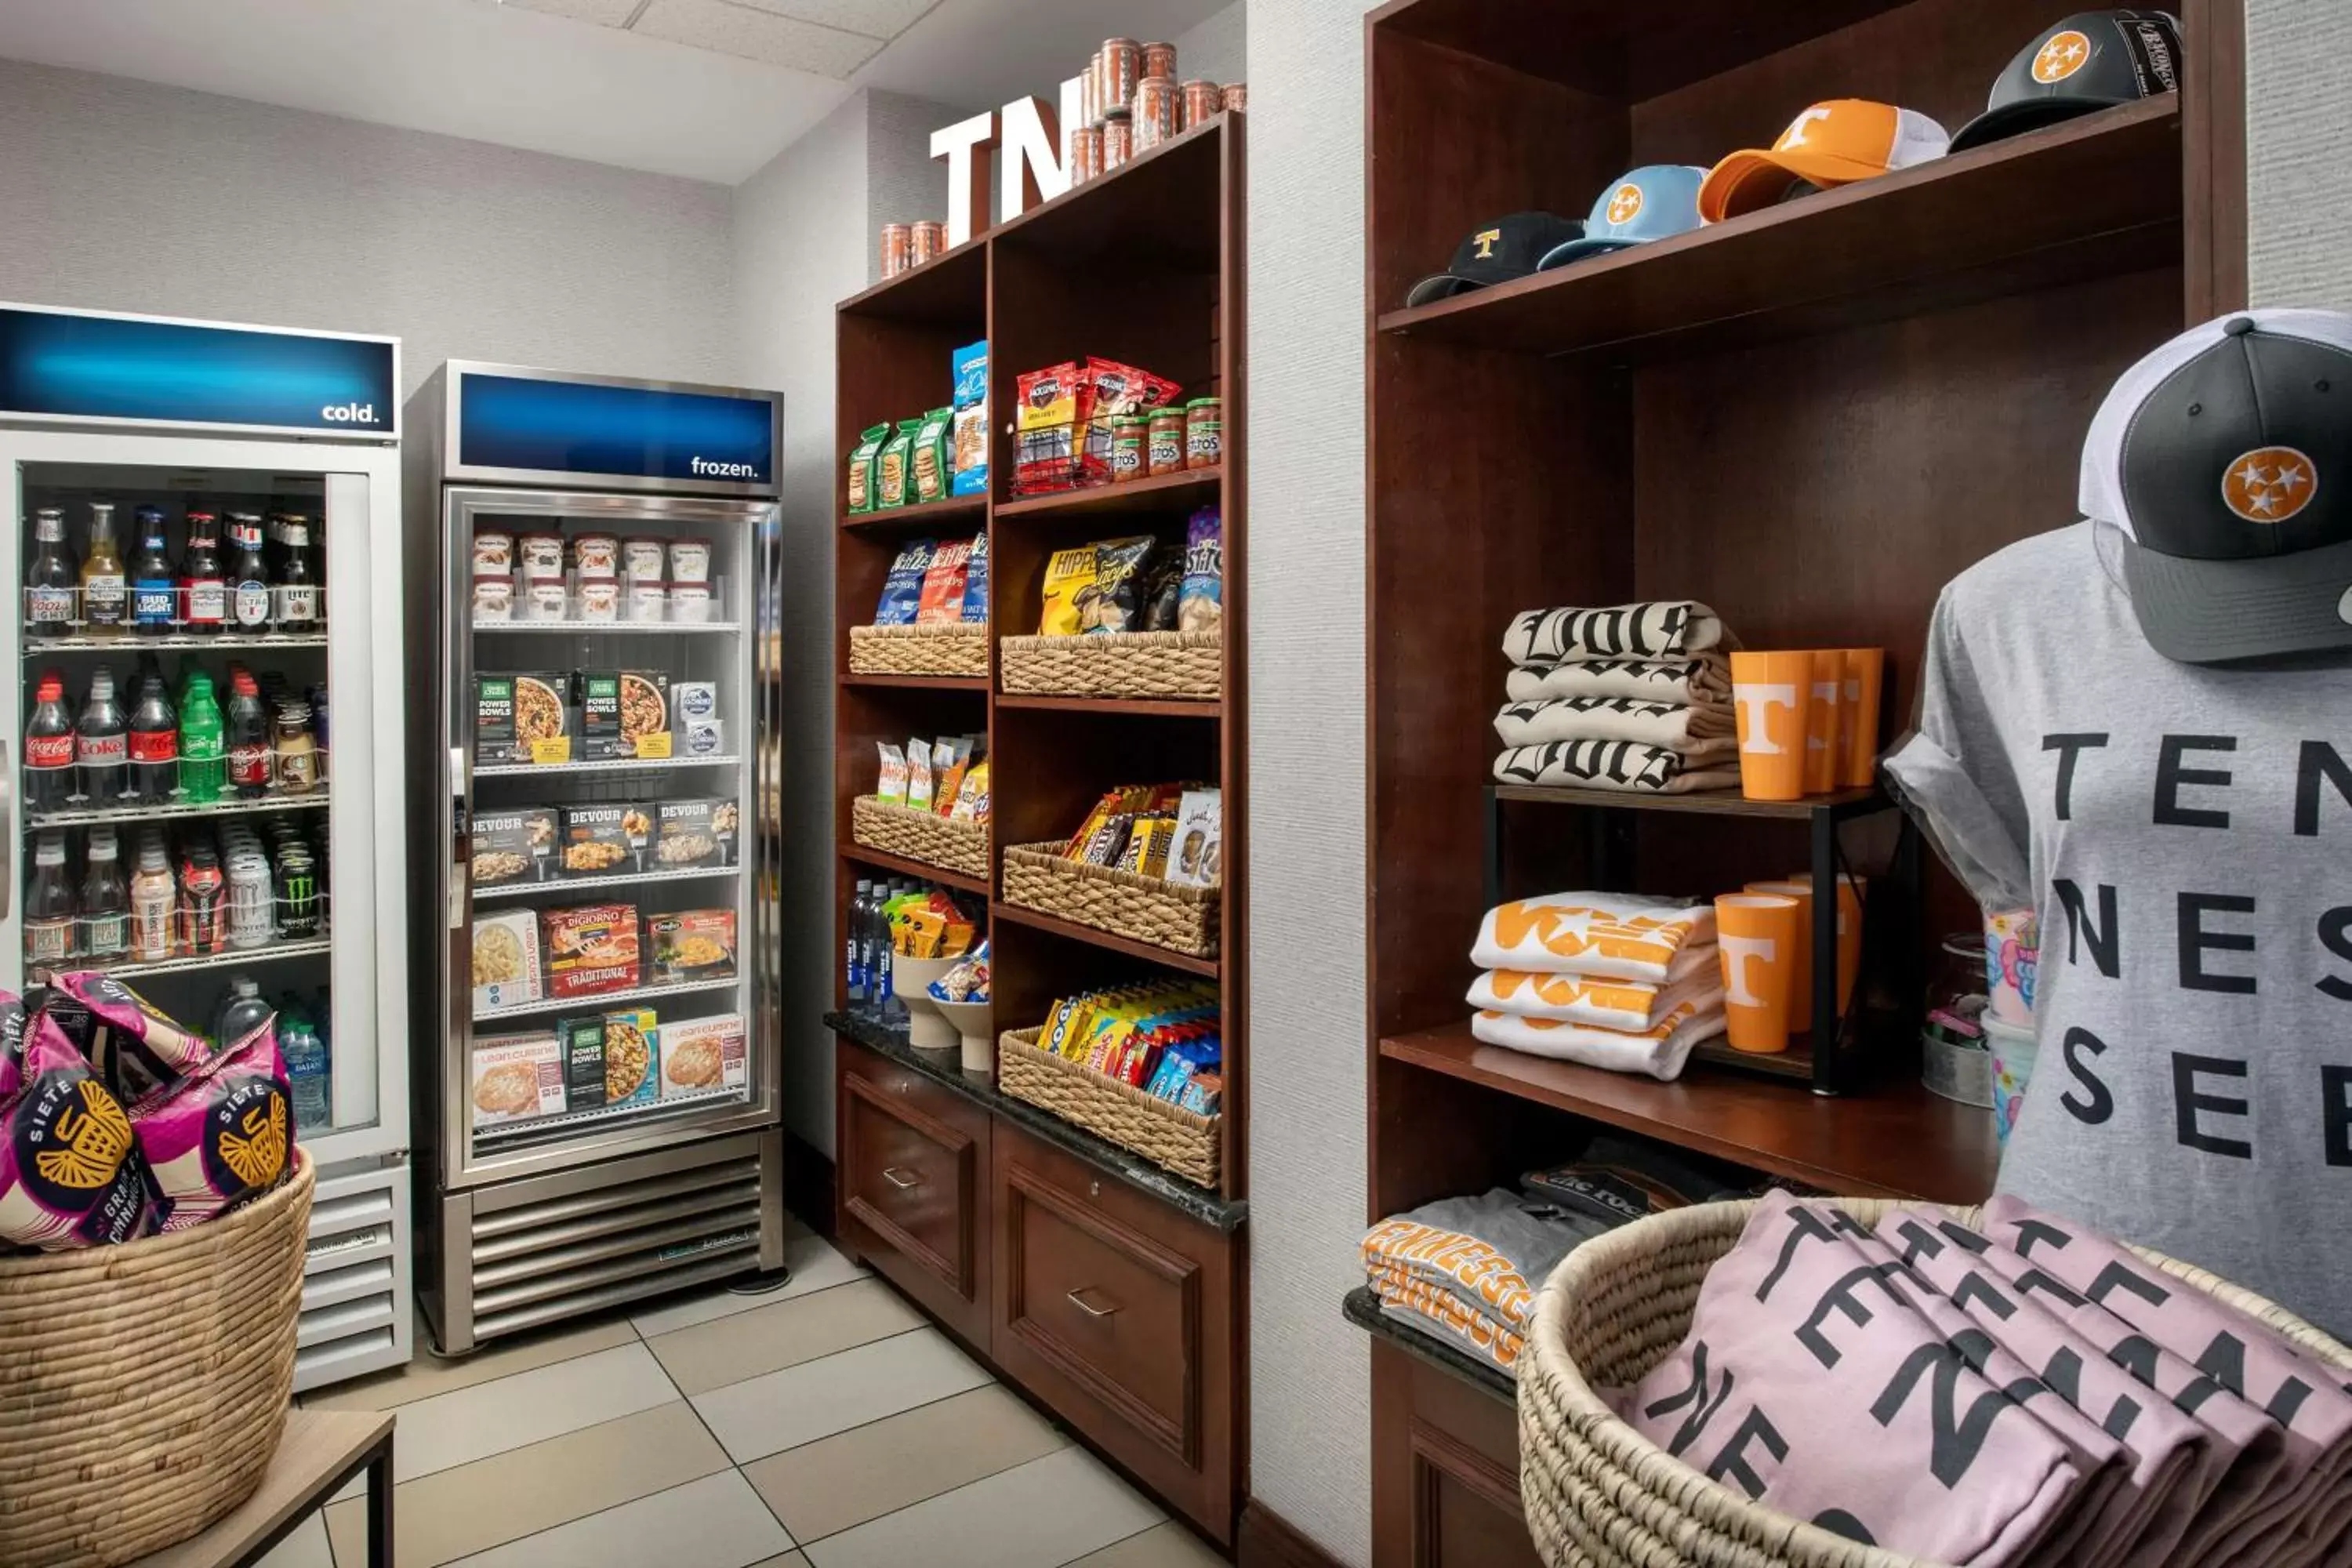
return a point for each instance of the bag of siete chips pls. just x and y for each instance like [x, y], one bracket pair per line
[70, 1172]
[222, 1136]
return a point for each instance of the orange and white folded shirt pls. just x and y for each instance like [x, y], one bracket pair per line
[1659, 1050]
[1628, 1004]
[1600, 936]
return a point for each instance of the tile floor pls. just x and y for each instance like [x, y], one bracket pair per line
[826, 1426]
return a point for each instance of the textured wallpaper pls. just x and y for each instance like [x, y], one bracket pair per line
[123, 195]
[2299, 139]
[1216, 49]
[1310, 1381]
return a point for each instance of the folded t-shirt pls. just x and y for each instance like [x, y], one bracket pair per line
[1659, 1050]
[1604, 1004]
[1604, 936]
[1677, 727]
[1625, 765]
[1701, 680]
[1654, 629]
[1489, 1253]
[1443, 1315]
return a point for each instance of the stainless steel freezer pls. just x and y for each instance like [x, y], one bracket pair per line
[589, 563]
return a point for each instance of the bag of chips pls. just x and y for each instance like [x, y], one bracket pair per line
[222, 1136]
[1115, 603]
[1068, 575]
[931, 456]
[1202, 607]
[863, 458]
[975, 583]
[943, 583]
[893, 470]
[133, 1046]
[15, 1024]
[70, 1173]
[902, 590]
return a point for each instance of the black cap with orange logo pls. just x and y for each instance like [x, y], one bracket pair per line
[1498, 252]
[2092, 60]
[2225, 458]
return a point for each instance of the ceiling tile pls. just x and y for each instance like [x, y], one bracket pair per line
[875, 18]
[751, 35]
[604, 13]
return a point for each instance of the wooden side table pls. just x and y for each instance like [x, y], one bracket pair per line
[321, 1452]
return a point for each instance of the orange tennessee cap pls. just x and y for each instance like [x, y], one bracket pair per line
[1832, 143]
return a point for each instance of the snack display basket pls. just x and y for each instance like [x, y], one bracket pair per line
[959, 649]
[1182, 1143]
[919, 835]
[143, 1387]
[1597, 1494]
[1183, 665]
[1142, 908]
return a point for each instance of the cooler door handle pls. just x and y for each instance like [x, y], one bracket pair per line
[7, 829]
[459, 835]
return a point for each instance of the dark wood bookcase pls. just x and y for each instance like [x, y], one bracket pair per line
[1809, 417]
[994, 1214]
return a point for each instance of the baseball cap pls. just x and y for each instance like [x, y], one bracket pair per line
[1497, 252]
[2224, 459]
[1656, 201]
[2091, 60]
[1832, 143]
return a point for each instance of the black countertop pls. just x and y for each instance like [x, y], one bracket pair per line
[1362, 1307]
[945, 1069]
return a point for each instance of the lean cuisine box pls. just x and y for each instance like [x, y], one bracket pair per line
[699, 1054]
[517, 1077]
[508, 966]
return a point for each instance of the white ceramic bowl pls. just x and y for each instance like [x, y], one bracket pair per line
[976, 1022]
[926, 1028]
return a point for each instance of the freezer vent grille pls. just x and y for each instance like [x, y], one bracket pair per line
[539, 1262]
[355, 1284]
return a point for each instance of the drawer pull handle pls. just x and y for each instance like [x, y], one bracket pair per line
[900, 1180]
[1078, 1299]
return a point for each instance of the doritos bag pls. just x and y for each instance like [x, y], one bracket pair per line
[133, 1046]
[71, 1174]
[222, 1135]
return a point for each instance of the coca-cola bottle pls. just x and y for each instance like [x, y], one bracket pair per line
[204, 590]
[102, 744]
[154, 740]
[49, 747]
[246, 724]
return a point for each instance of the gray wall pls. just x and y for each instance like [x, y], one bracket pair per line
[123, 195]
[1217, 47]
[1310, 1416]
[2299, 141]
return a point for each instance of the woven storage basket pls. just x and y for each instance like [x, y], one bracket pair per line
[1142, 909]
[143, 1387]
[1598, 1492]
[1181, 1143]
[919, 835]
[1189, 665]
[957, 649]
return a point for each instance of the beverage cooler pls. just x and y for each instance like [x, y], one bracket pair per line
[202, 750]
[590, 563]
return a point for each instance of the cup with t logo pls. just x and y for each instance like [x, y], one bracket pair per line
[1800, 955]
[1756, 935]
[1822, 720]
[1771, 693]
[1851, 889]
[1866, 672]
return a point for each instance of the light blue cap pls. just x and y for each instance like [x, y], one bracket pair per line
[1656, 201]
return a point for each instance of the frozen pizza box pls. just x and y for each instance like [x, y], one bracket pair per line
[514, 845]
[633, 1053]
[517, 1077]
[699, 1054]
[509, 964]
[591, 948]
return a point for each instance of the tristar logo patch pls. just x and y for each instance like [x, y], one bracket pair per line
[2060, 57]
[2269, 484]
[1624, 203]
[1487, 240]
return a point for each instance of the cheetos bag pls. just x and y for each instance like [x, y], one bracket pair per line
[71, 1174]
[221, 1136]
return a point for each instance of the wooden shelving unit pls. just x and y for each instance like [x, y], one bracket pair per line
[1143, 266]
[1810, 418]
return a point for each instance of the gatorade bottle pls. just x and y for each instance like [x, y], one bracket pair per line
[204, 756]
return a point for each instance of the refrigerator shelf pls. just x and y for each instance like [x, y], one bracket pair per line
[84, 816]
[603, 1001]
[34, 645]
[603, 765]
[506, 1131]
[599, 629]
[569, 884]
[308, 947]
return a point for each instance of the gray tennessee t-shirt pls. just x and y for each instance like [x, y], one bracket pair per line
[2184, 833]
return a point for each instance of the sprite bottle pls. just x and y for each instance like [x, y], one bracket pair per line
[203, 753]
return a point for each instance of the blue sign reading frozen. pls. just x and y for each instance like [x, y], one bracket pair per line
[595, 428]
[60, 365]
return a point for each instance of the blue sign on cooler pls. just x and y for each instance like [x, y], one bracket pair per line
[58, 364]
[529, 425]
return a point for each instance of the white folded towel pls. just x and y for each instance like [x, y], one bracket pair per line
[1600, 936]
[1660, 1051]
[1655, 629]
[1623, 765]
[1703, 679]
[1602, 1004]
[1691, 733]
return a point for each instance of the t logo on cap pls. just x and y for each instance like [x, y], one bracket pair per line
[2060, 57]
[1486, 238]
[1624, 203]
[2269, 484]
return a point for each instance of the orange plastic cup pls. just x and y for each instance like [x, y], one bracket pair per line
[1771, 694]
[1800, 967]
[1757, 937]
[1822, 722]
[1865, 671]
[1850, 891]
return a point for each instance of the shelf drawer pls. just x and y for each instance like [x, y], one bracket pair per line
[1445, 1470]
[913, 1174]
[1119, 1314]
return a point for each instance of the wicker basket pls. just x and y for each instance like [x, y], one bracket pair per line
[1181, 1143]
[1184, 665]
[958, 649]
[1142, 909]
[1598, 1492]
[143, 1387]
[922, 835]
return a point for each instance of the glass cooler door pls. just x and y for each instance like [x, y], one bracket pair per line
[604, 714]
[193, 754]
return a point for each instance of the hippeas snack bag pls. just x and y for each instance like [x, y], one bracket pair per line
[1068, 573]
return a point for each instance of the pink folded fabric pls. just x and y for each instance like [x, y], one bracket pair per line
[1808, 1383]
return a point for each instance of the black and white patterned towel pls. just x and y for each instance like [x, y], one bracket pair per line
[1655, 629]
[1700, 680]
[1614, 765]
[1694, 732]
